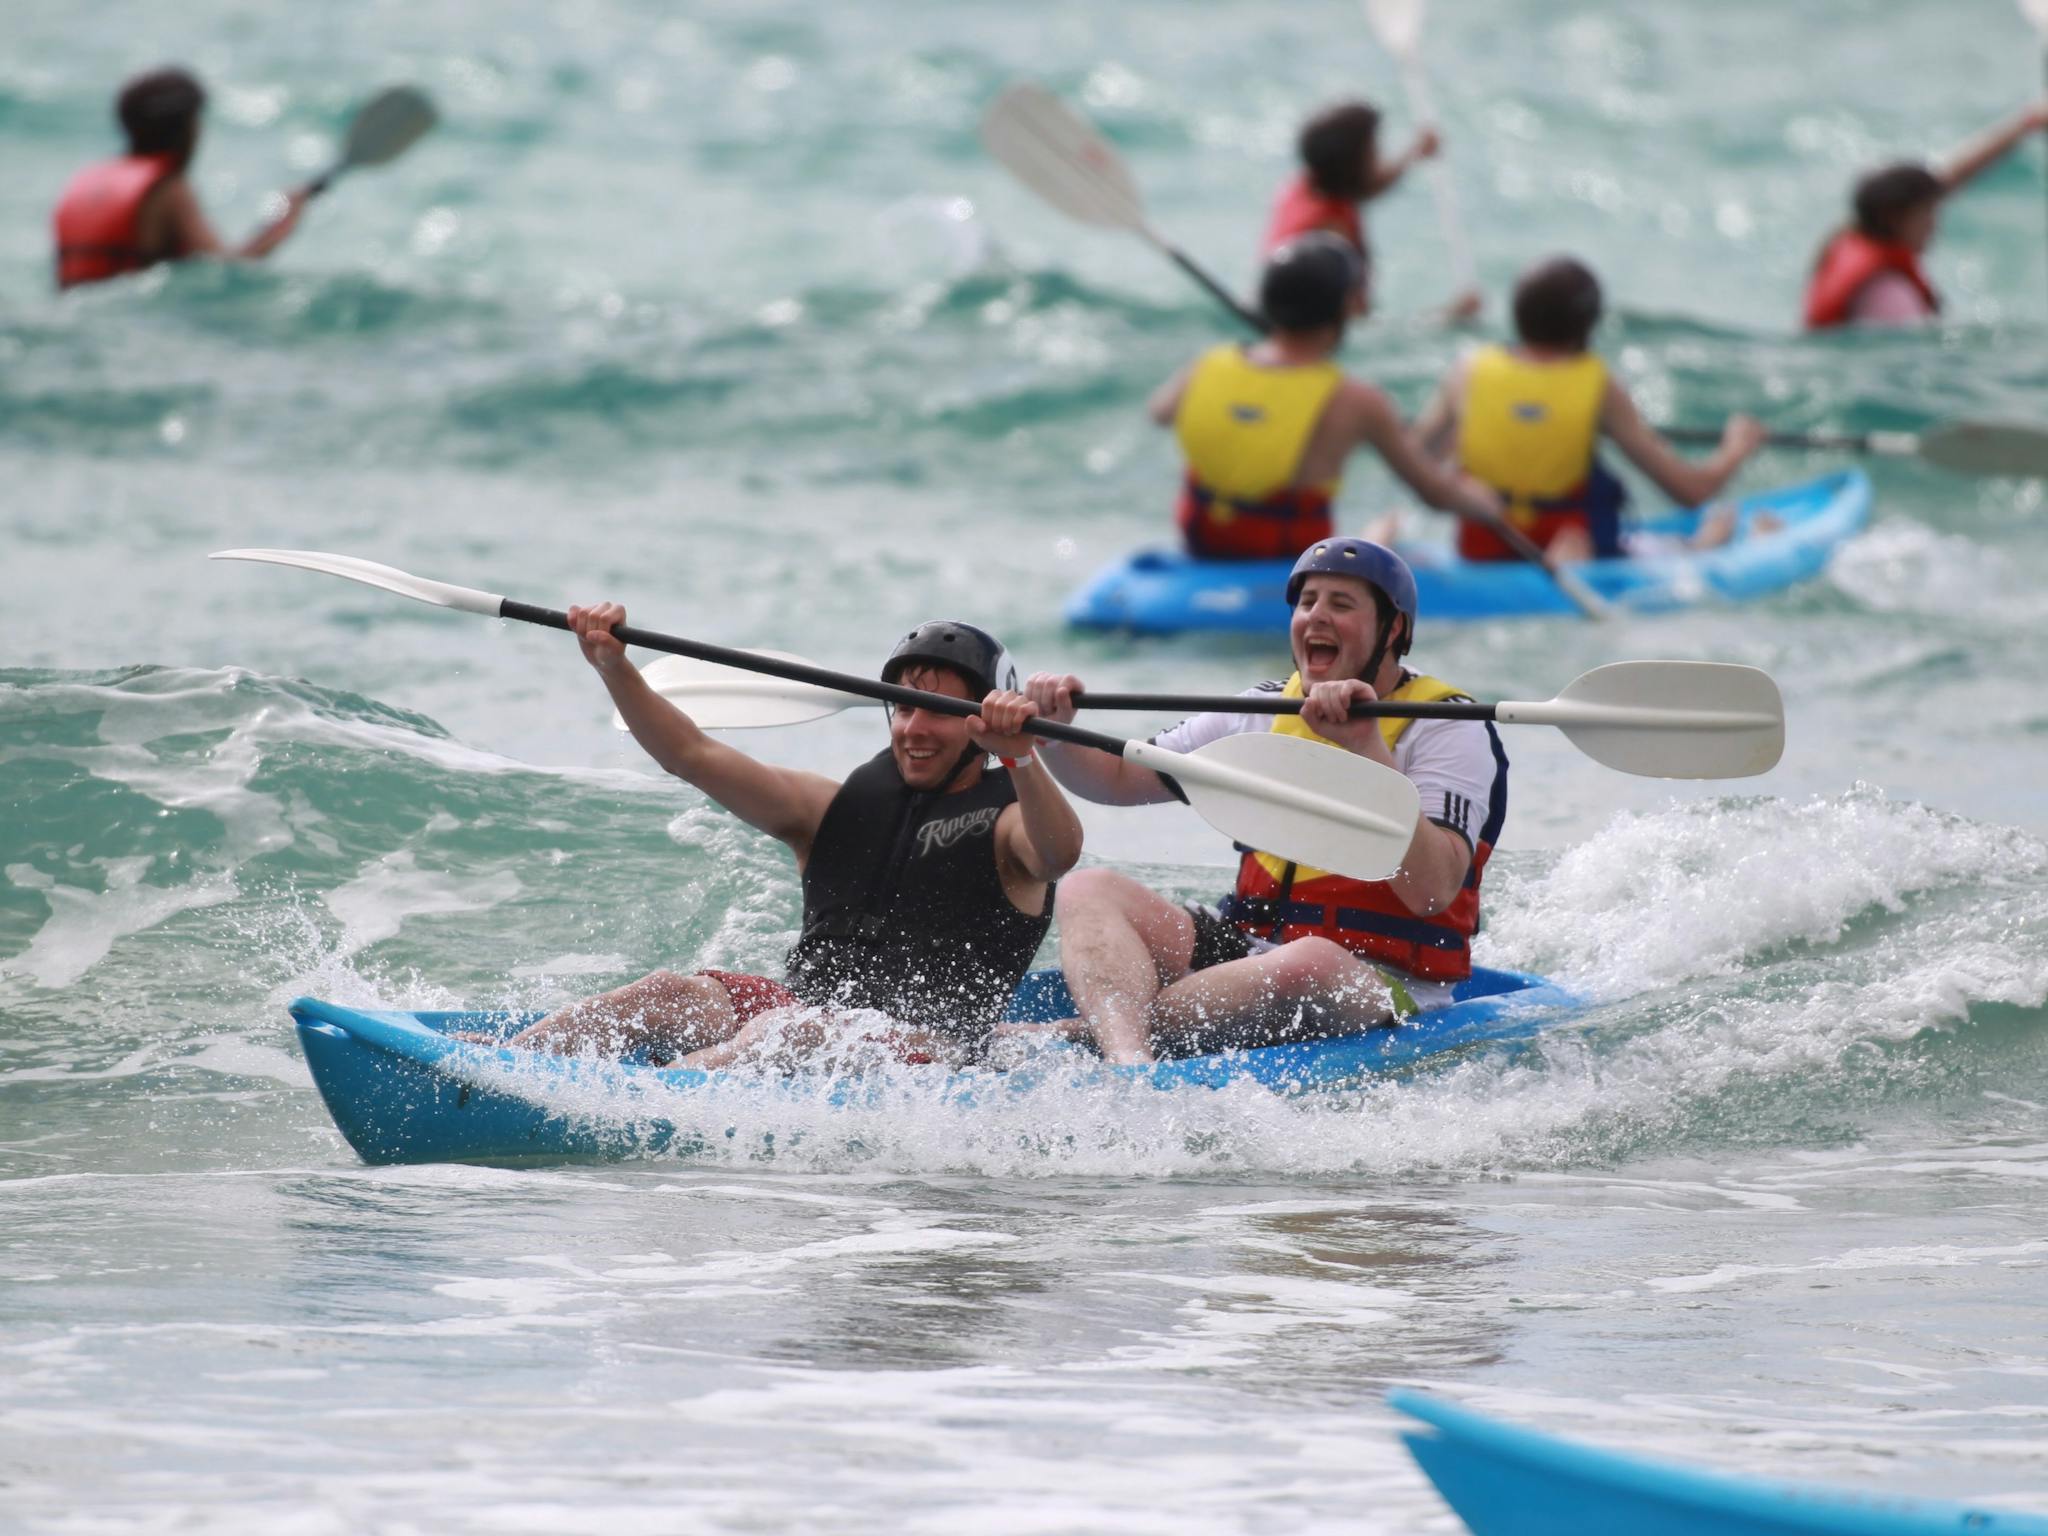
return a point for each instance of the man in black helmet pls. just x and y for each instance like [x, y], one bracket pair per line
[131, 212]
[1266, 429]
[927, 875]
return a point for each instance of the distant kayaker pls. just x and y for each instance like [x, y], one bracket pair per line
[129, 213]
[1527, 421]
[1869, 272]
[1292, 953]
[927, 874]
[1341, 171]
[1266, 428]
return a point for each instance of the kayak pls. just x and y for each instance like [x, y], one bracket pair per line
[1507, 1481]
[402, 1090]
[1782, 537]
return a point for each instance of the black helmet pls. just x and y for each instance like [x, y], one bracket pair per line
[973, 652]
[1310, 280]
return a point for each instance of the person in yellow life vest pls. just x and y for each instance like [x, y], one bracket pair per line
[1527, 420]
[1292, 953]
[1266, 429]
[131, 212]
[1869, 273]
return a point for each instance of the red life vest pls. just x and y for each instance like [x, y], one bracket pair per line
[1277, 527]
[1850, 260]
[1281, 902]
[98, 217]
[1301, 209]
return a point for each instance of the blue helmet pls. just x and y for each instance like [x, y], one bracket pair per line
[1374, 564]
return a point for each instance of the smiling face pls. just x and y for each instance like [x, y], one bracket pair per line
[925, 744]
[1335, 622]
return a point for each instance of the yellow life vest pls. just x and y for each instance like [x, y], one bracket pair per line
[1243, 428]
[1530, 429]
[1418, 689]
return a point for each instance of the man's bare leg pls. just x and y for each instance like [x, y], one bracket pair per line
[1250, 1002]
[663, 1014]
[1120, 942]
[800, 1030]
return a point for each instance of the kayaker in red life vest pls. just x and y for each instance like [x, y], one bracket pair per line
[1527, 420]
[927, 874]
[1292, 953]
[1341, 171]
[1869, 273]
[126, 214]
[1265, 429]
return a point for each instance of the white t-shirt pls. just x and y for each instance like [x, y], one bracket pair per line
[1889, 298]
[1456, 766]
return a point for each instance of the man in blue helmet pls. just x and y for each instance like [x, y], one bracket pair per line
[1293, 952]
[928, 875]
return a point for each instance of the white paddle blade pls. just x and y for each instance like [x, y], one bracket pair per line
[1988, 447]
[1668, 719]
[726, 699]
[388, 125]
[1045, 145]
[1296, 799]
[386, 578]
[1397, 24]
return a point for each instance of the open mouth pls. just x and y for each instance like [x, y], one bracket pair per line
[1320, 655]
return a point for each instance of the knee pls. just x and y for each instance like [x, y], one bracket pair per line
[674, 988]
[1311, 968]
[1089, 892]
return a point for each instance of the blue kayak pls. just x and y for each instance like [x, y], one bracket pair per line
[1507, 1481]
[1161, 591]
[403, 1091]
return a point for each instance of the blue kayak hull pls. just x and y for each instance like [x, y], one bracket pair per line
[1159, 591]
[1507, 1481]
[403, 1091]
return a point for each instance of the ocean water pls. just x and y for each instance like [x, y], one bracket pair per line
[722, 312]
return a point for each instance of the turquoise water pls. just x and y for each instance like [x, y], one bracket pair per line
[723, 313]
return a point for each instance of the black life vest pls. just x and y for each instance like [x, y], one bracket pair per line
[904, 908]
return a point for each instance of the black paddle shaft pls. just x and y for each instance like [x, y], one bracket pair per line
[1851, 442]
[1275, 704]
[797, 672]
[1250, 317]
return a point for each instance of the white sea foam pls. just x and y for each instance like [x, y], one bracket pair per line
[375, 905]
[83, 926]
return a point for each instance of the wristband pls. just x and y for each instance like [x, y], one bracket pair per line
[1014, 763]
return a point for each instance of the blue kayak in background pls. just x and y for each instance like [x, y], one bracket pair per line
[402, 1090]
[1782, 537]
[1507, 1481]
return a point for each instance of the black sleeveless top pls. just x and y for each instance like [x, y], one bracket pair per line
[904, 910]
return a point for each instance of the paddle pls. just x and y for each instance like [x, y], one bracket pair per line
[386, 126]
[1052, 151]
[1398, 26]
[1967, 447]
[1280, 794]
[1656, 719]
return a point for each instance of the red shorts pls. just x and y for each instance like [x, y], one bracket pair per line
[752, 995]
